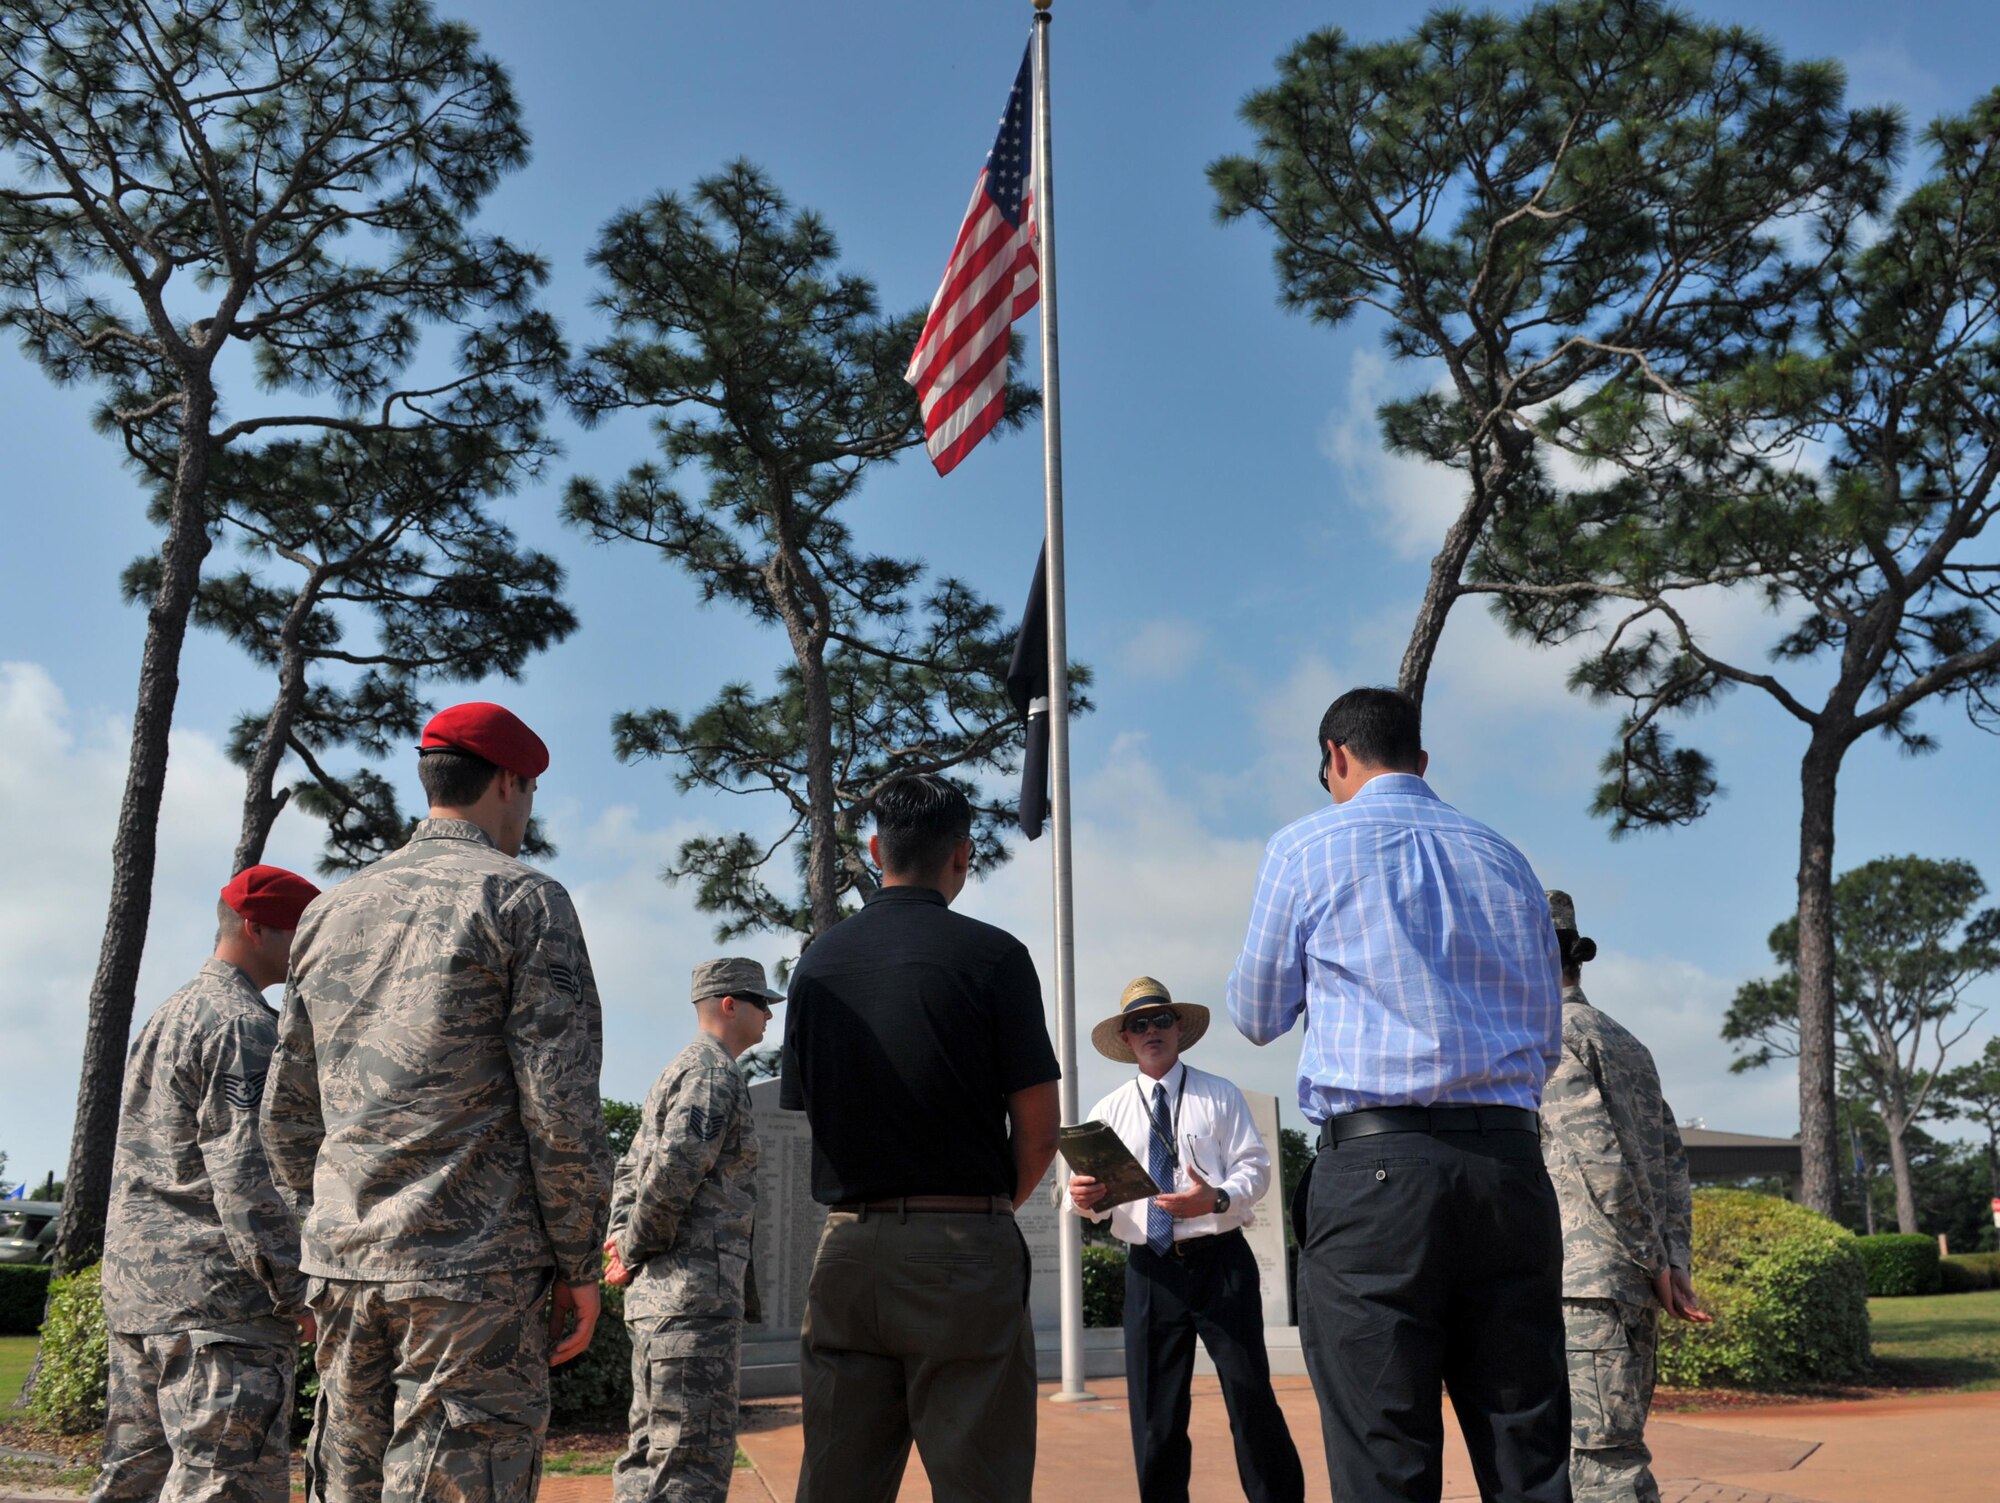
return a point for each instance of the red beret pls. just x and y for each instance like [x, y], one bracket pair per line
[489, 731]
[269, 895]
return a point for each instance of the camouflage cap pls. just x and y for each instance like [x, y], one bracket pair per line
[1562, 908]
[733, 976]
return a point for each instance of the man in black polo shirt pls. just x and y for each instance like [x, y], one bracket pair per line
[915, 1044]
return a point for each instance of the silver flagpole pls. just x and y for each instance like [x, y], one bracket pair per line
[1070, 1246]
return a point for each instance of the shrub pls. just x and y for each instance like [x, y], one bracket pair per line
[1899, 1263]
[1965, 1273]
[24, 1290]
[75, 1357]
[1104, 1285]
[596, 1388]
[1788, 1293]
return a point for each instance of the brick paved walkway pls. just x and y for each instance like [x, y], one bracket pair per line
[1942, 1449]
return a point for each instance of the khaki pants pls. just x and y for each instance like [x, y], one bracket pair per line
[1613, 1349]
[436, 1390]
[684, 1385]
[197, 1417]
[917, 1329]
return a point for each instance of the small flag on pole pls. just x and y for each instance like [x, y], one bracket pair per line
[1028, 687]
[960, 366]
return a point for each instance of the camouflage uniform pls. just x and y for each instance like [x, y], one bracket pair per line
[433, 1110]
[1621, 1180]
[201, 1259]
[682, 1213]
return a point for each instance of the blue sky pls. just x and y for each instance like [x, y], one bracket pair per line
[1240, 549]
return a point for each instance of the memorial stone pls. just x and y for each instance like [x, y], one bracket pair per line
[1266, 1232]
[789, 1221]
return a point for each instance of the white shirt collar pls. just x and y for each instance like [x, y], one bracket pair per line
[1169, 1082]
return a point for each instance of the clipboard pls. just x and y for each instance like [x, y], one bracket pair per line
[1093, 1149]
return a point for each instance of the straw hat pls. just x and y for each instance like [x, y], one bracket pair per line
[1144, 994]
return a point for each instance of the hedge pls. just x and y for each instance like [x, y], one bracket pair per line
[24, 1291]
[1899, 1263]
[75, 1357]
[1104, 1284]
[1966, 1273]
[1788, 1292]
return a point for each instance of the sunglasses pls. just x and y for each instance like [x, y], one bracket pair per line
[1159, 1020]
[1326, 758]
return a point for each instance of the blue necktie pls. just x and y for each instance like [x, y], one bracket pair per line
[1159, 1224]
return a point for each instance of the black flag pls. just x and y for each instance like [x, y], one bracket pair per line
[1028, 687]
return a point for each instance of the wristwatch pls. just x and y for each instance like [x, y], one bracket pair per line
[1221, 1202]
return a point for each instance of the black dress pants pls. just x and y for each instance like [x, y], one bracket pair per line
[1210, 1290]
[1435, 1260]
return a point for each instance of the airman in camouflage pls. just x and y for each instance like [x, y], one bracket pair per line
[1621, 1181]
[203, 1298]
[680, 1235]
[433, 1111]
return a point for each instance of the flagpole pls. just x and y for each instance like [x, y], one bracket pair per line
[1070, 1245]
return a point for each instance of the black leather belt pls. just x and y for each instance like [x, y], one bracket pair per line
[1193, 1249]
[1432, 1119]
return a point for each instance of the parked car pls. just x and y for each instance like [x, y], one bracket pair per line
[28, 1230]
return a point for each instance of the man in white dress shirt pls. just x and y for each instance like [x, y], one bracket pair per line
[1188, 1270]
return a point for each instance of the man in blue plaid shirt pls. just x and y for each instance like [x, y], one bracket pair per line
[1417, 944]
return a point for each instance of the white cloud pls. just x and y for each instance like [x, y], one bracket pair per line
[1158, 893]
[1410, 501]
[60, 785]
[1162, 649]
[644, 937]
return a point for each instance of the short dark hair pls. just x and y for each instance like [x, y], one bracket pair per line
[920, 820]
[454, 779]
[1379, 727]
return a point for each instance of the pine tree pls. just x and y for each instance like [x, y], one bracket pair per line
[292, 176]
[774, 376]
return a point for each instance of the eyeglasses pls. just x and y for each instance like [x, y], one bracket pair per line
[1159, 1020]
[1326, 757]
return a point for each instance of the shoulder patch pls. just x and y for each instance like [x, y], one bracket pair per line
[243, 1092]
[565, 979]
[702, 1125]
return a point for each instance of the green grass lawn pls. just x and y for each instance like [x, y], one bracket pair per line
[16, 1352]
[1937, 1341]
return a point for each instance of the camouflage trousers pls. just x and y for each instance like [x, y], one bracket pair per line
[434, 1390]
[1613, 1349]
[197, 1415]
[684, 1387]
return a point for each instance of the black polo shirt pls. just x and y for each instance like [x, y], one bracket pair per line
[907, 1027]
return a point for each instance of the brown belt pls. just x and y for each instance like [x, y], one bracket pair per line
[982, 1205]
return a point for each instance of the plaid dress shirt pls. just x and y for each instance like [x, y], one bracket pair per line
[1419, 946]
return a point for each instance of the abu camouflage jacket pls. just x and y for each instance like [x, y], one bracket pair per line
[197, 1236]
[686, 1192]
[433, 1106]
[1615, 1156]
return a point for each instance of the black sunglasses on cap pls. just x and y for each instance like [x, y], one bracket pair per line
[1160, 1020]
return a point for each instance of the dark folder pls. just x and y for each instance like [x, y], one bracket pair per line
[1093, 1149]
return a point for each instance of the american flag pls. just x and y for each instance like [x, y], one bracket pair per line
[960, 365]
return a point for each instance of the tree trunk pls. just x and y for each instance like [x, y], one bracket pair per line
[1818, 777]
[262, 801]
[822, 856]
[95, 1135]
[807, 614]
[1899, 1167]
[1441, 592]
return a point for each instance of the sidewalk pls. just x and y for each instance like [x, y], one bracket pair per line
[1940, 1450]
